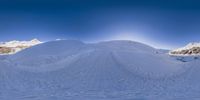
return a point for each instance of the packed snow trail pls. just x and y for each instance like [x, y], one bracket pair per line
[115, 70]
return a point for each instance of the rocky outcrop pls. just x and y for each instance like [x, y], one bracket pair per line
[13, 47]
[190, 49]
[5, 50]
[194, 50]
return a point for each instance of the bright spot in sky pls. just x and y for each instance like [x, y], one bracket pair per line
[126, 36]
[137, 37]
[133, 36]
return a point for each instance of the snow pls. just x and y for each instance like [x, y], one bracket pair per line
[113, 70]
[17, 46]
[16, 43]
[189, 47]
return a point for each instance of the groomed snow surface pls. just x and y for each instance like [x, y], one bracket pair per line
[114, 70]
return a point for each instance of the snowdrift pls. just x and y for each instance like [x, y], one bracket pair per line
[106, 70]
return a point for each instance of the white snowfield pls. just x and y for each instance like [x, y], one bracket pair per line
[113, 70]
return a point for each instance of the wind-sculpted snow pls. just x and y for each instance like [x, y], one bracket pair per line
[115, 70]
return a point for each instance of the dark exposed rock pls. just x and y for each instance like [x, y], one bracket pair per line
[5, 50]
[191, 51]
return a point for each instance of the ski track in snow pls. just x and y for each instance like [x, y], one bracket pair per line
[115, 70]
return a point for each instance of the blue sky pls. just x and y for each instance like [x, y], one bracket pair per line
[160, 23]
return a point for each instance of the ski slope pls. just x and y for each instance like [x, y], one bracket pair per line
[112, 70]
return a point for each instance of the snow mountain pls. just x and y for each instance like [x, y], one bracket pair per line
[190, 49]
[112, 70]
[13, 47]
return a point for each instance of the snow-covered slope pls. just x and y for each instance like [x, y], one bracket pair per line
[127, 53]
[190, 49]
[13, 47]
[114, 70]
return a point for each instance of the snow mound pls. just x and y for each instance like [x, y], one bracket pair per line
[47, 55]
[67, 53]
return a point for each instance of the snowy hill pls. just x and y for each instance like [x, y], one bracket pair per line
[190, 49]
[13, 47]
[67, 52]
[113, 70]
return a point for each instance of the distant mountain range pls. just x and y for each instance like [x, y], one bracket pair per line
[190, 49]
[13, 47]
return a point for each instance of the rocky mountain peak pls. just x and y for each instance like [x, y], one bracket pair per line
[190, 49]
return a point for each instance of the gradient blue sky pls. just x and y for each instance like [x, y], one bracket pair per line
[160, 23]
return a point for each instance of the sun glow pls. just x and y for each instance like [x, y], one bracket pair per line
[134, 36]
[124, 36]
